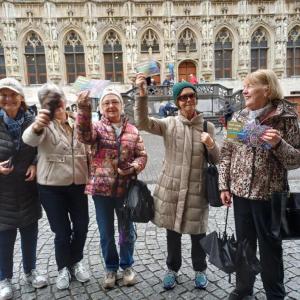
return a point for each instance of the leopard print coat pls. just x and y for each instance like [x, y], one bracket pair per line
[256, 173]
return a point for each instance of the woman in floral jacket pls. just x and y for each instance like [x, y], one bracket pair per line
[118, 152]
[249, 175]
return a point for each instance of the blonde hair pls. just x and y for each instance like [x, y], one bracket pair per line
[268, 78]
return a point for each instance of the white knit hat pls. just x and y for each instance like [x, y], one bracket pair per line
[111, 91]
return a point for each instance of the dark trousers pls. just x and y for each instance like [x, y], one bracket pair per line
[105, 208]
[253, 222]
[28, 245]
[67, 211]
[174, 251]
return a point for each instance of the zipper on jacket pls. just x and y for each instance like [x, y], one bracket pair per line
[252, 171]
[73, 160]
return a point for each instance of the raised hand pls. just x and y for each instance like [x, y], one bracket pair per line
[42, 120]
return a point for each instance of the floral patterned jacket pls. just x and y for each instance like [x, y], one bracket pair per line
[255, 173]
[109, 153]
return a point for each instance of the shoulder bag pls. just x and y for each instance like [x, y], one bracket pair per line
[211, 176]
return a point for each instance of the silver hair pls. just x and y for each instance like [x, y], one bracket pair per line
[50, 88]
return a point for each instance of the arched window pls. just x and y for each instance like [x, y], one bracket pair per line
[293, 52]
[74, 56]
[223, 55]
[113, 57]
[259, 50]
[187, 41]
[150, 42]
[35, 59]
[2, 62]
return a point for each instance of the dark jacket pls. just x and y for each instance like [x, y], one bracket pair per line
[19, 205]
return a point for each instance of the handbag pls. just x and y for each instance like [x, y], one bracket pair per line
[211, 176]
[285, 221]
[139, 202]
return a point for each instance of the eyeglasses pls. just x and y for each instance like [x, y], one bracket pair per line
[108, 103]
[185, 97]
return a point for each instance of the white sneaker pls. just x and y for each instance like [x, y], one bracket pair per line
[129, 277]
[80, 272]
[109, 280]
[5, 289]
[35, 279]
[63, 279]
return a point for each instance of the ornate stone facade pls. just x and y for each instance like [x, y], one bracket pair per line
[170, 32]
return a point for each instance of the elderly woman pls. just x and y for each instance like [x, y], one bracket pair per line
[62, 172]
[19, 205]
[118, 152]
[180, 203]
[249, 174]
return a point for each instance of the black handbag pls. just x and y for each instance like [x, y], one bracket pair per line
[285, 223]
[211, 176]
[139, 202]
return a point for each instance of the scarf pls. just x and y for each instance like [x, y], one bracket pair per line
[14, 126]
[254, 115]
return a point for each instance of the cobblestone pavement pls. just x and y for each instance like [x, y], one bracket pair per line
[150, 256]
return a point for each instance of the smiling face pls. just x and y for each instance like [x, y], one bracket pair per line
[10, 101]
[256, 95]
[111, 108]
[187, 101]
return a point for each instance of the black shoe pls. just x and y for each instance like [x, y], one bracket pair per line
[237, 295]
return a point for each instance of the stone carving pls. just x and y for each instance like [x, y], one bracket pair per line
[93, 33]
[53, 31]
[173, 31]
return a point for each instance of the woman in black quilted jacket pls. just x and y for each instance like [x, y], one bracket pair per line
[19, 205]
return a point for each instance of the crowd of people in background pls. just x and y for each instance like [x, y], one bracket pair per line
[60, 156]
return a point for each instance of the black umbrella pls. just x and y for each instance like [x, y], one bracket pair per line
[226, 253]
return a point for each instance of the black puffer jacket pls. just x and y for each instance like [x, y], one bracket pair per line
[19, 205]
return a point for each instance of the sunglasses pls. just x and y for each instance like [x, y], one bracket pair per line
[185, 97]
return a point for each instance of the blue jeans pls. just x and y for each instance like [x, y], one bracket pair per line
[67, 211]
[105, 207]
[28, 245]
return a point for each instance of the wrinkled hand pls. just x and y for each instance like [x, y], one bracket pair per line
[3, 169]
[207, 140]
[31, 172]
[127, 171]
[42, 120]
[271, 136]
[140, 82]
[83, 99]
[226, 198]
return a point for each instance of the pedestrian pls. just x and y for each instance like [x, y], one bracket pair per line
[118, 154]
[20, 208]
[193, 79]
[167, 81]
[228, 112]
[62, 172]
[179, 200]
[249, 175]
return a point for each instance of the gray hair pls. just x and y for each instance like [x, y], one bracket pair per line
[48, 88]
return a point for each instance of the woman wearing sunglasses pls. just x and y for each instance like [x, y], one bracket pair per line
[180, 204]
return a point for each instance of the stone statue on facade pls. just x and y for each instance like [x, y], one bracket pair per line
[12, 33]
[93, 32]
[53, 32]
